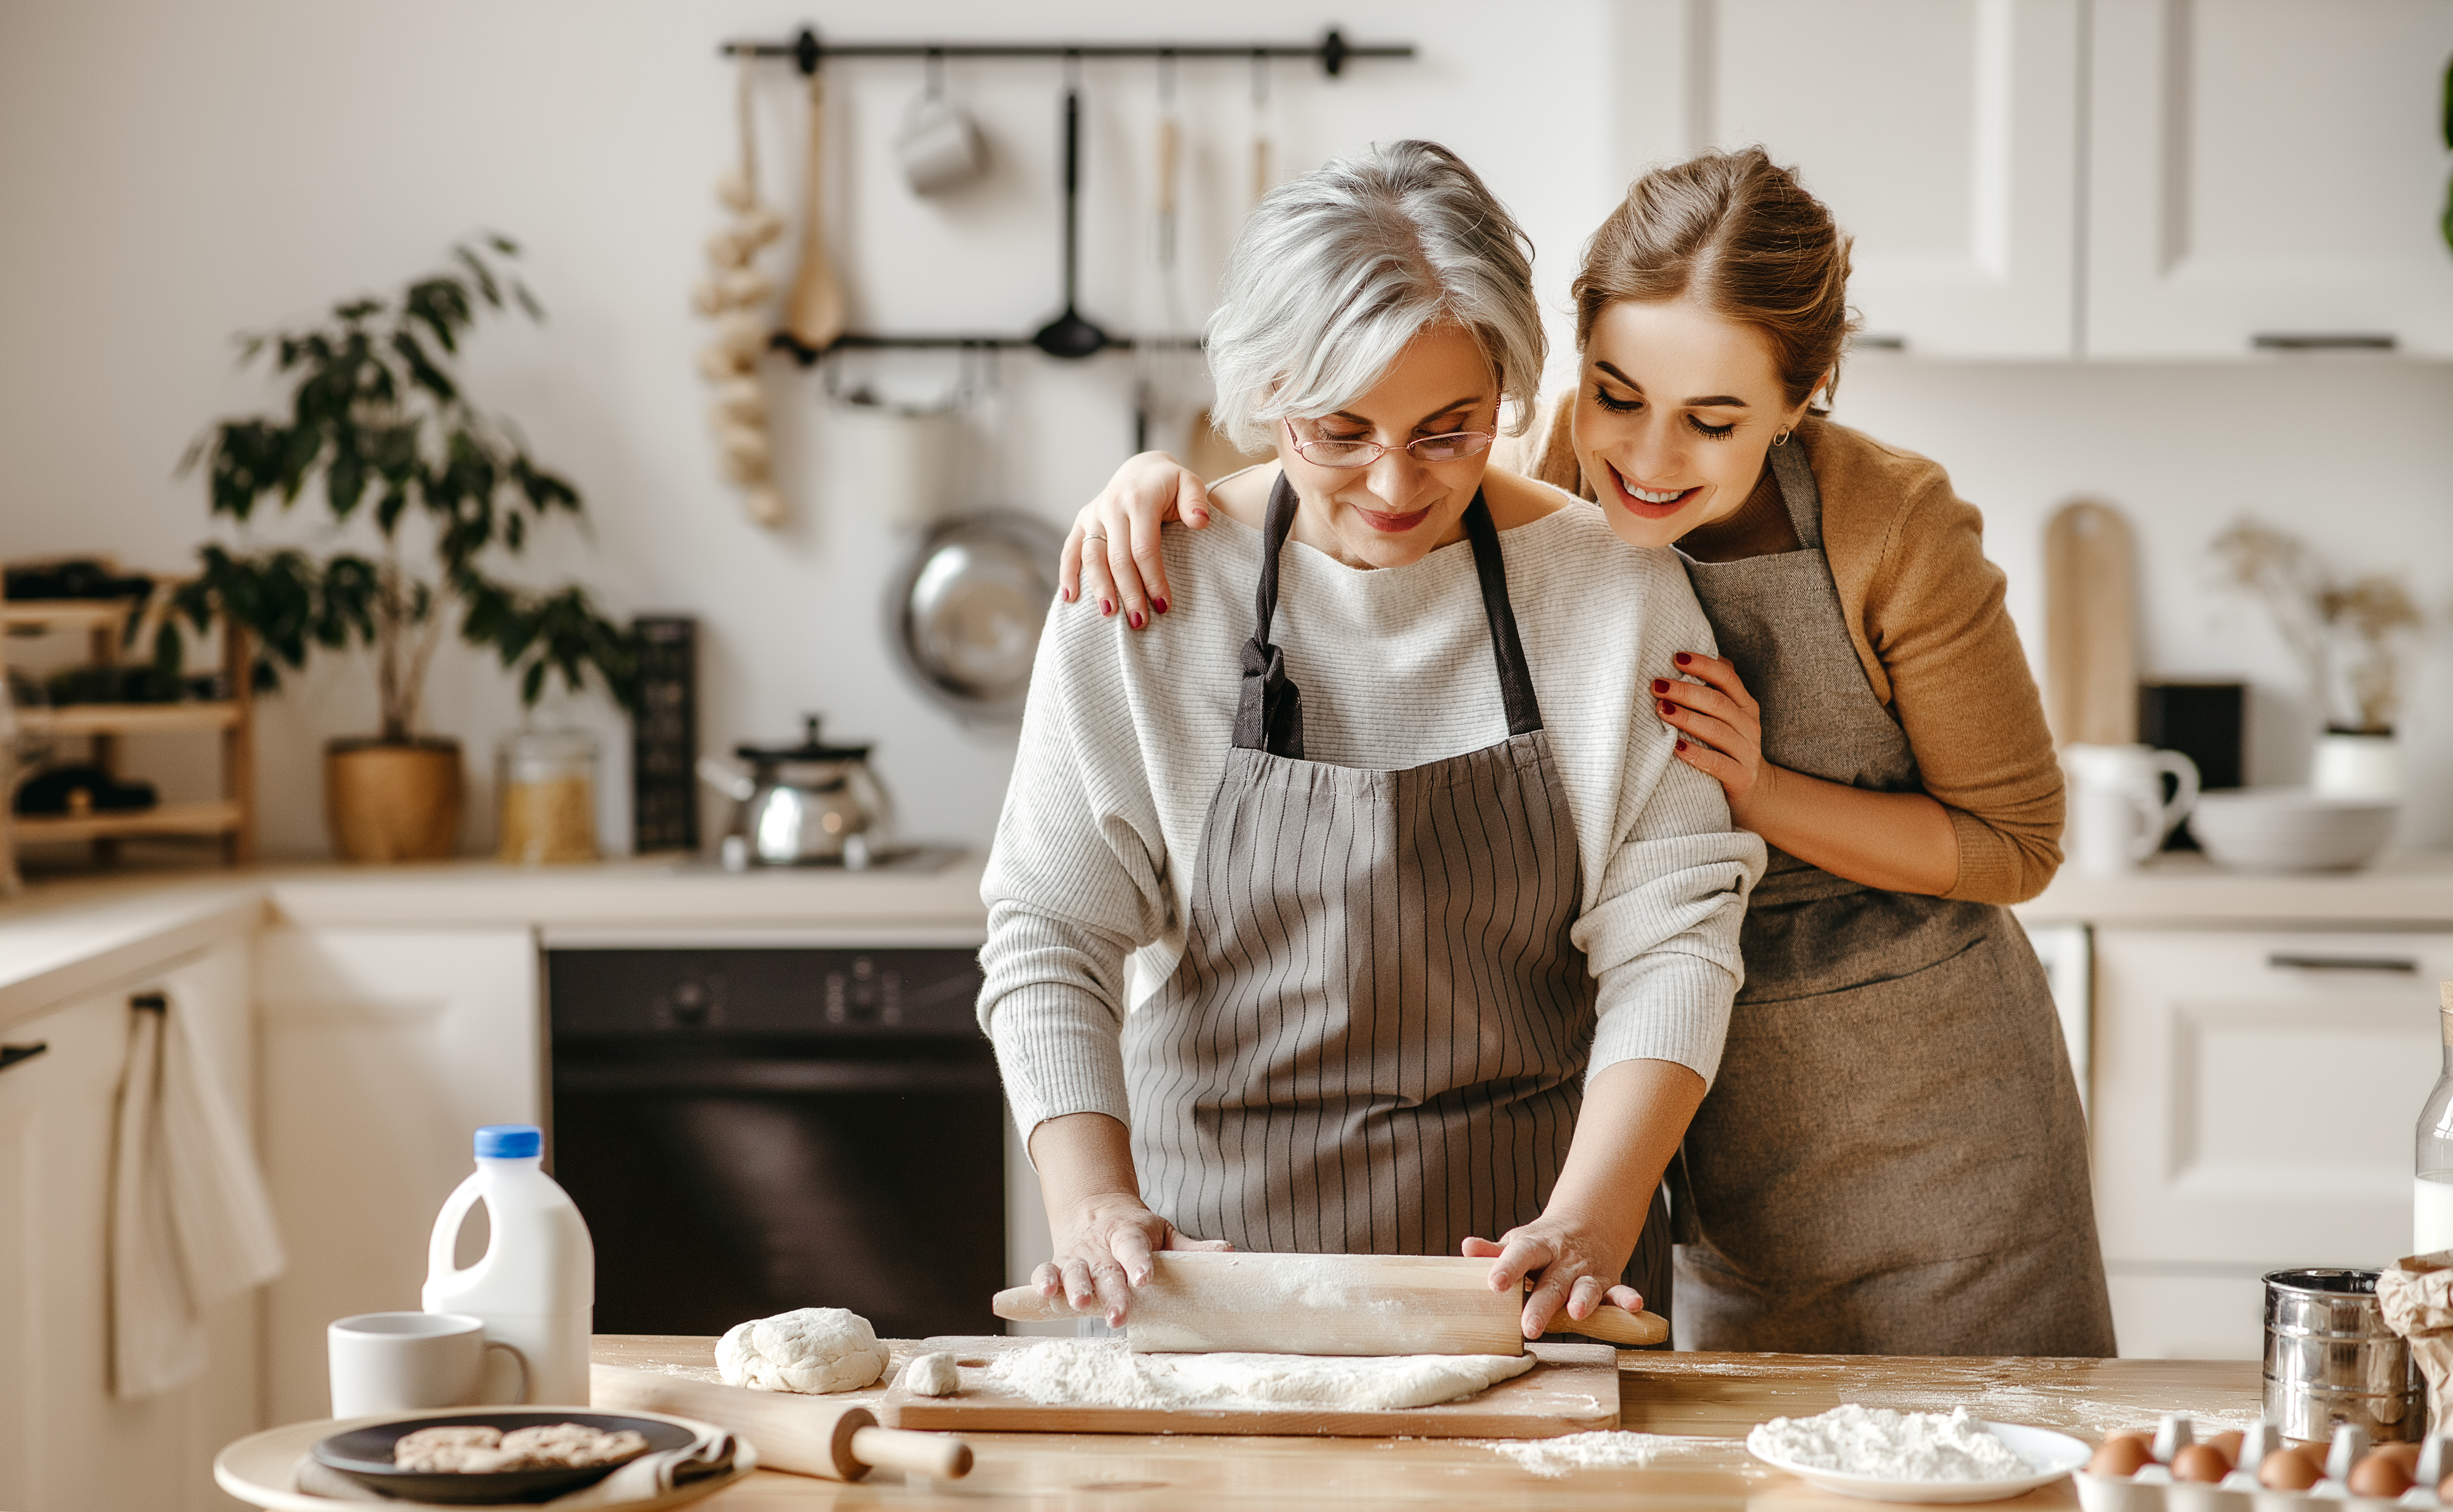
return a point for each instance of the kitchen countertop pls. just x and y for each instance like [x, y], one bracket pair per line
[2182, 888]
[62, 938]
[1703, 1405]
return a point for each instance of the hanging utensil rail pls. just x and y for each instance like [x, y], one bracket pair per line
[808, 52]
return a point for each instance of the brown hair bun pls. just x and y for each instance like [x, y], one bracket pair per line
[1734, 231]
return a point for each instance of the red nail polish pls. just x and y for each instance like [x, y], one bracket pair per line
[1668, 707]
[1106, 607]
[1158, 605]
[1682, 745]
[1135, 619]
[1682, 658]
[1661, 685]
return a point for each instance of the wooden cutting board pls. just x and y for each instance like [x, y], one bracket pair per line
[1574, 1390]
[2090, 626]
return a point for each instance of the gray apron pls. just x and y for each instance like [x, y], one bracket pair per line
[1375, 1040]
[1893, 1159]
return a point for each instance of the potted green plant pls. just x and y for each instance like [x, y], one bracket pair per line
[428, 496]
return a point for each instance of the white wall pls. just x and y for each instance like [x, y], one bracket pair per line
[171, 175]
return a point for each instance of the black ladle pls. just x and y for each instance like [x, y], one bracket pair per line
[1068, 335]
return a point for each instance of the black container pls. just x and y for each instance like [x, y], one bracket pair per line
[664, 736]
[2204, 722]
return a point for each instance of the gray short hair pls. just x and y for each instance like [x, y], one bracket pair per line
[1334, 273]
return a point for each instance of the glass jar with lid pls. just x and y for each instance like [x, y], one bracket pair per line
[546, 783]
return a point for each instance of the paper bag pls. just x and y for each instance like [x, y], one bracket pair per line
[2417, 1299]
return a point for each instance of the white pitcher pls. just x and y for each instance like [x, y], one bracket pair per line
[535, 1288]
[2118, 814]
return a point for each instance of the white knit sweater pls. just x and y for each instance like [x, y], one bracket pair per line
[1127, 732]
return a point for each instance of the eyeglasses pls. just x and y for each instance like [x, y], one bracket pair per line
[1453, 447]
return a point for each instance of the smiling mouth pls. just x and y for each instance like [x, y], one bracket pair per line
[1393, 524]
[1650, 502]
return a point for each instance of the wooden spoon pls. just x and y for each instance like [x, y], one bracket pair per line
[814, 311]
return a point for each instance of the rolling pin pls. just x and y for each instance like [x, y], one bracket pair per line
[839, 1440]
[1329, 1305]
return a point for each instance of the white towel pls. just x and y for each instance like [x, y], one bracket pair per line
[190, 1223]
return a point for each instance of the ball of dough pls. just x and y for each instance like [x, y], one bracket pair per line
[932, 1375]
[811, 1349]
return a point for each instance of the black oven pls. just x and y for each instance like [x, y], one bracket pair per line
[751, 1130]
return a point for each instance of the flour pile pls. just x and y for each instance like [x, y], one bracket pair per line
[1104, 1373]
[1555, 1458]
[1890, 1446]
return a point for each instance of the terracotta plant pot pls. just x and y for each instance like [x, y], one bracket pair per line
[393, 802]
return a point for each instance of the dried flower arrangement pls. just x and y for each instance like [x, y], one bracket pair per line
[2317, 615]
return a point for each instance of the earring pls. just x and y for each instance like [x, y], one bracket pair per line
[1780, 439]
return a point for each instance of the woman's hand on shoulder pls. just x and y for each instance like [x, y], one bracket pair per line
[1572, 1270]
[1103, 1252]
[1718, 726]
[1112, 556]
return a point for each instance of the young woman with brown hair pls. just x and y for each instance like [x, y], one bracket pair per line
[1891, 1158]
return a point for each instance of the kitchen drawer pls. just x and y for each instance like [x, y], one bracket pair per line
[2183, 1315]
[2255, 1093]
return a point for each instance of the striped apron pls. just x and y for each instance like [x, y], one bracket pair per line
[1893, 1159]
[1375, 1040]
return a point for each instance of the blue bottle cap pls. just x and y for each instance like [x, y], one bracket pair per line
[510, 1141]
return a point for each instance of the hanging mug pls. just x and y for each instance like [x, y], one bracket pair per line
[2118, 813]
[940, 147]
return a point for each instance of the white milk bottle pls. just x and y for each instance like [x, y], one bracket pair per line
[535, 1286]
[2432, 1191]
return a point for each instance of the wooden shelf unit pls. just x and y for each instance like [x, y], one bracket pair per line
[229, 817]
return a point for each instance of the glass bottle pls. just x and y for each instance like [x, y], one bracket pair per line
[546, 779]
[2432, 1189]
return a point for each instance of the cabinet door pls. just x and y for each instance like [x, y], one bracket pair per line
[2267, 171]
[2256, 1094]
[1942, 133]
[65, 1443]
[381, 1050]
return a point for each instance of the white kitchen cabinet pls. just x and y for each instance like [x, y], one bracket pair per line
[2265, 172]
[1942, 133]
[2255, 1094]
[383, 1050]
[65, 1445]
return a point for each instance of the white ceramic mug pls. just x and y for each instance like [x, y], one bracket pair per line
[2118, 814]
[940, 147]
[407, 1362]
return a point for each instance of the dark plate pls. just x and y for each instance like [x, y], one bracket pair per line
[365, 1456]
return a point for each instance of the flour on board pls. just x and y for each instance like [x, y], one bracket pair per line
[1600, 1451]
[1101, 1372]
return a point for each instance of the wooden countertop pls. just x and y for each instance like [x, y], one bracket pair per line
[1701, 1405]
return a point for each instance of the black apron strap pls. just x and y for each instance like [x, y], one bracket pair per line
[1515, 680]
[1268, 711]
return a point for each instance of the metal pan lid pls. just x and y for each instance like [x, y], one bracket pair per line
[812, 748]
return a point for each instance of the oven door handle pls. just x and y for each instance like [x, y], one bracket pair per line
[771, 1077]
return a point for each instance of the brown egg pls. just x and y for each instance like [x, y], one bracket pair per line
[2201, 1462]
[2289, 1470]
[2405, 1455]
[2229, 1442]
[2121, 1455]
[2379, 1475]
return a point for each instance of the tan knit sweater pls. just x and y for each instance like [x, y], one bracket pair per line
[1925, 610]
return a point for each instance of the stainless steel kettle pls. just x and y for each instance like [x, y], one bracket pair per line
[813, 803]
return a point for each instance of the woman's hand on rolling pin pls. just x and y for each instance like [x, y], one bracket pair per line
[1103, 1251]
[1718, 726]
[1569, 1267]
[1127, 569]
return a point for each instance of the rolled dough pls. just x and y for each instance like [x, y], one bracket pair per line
[812, 1349]
[1101, 1372]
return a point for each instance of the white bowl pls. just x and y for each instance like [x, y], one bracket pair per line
[2291, 829]
[2054, 1455]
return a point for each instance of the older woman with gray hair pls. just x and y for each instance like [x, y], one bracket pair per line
[1376, 916]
